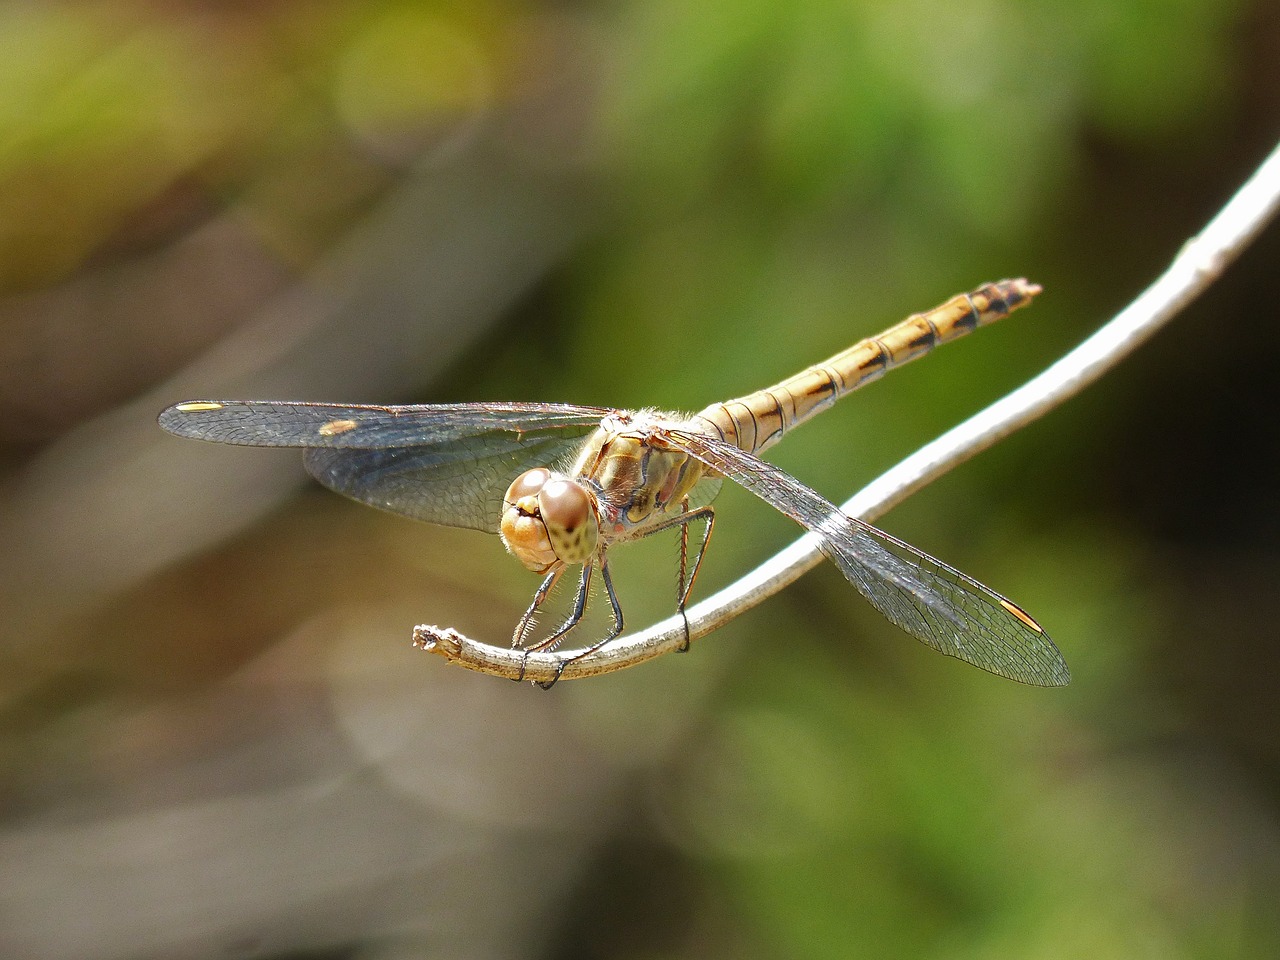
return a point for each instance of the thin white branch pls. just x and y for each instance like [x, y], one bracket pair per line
[1199, 263]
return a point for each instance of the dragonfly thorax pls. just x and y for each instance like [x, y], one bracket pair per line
[548, 519]
[640, 479]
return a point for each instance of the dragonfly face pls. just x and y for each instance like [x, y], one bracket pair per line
[548, 520]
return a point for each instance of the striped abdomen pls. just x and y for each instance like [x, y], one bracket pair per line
[758, 420]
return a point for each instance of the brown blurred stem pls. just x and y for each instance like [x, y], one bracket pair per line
[1196, 266]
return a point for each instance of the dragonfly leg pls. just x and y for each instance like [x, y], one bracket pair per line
[685, 587]
[539, 597]
[526, 622]
[579, 608]
[613, 632]
[681, 592]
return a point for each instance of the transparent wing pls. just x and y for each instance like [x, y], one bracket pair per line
[270, 423]
[708, 489]
[443, 463]
[935, 603]
[451, 484]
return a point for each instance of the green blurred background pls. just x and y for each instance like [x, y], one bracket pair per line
[215, 739]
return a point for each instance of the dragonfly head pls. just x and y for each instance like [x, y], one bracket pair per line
[548, 518]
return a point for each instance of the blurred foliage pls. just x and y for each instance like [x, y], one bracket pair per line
[233, 739]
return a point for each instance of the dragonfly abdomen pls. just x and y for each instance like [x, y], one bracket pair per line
[759, 420]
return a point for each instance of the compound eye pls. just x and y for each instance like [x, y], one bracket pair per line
[566, 510]
[528, 484]
[522, 528]
[564, 504]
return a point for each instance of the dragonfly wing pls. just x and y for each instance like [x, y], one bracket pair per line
[708, 489]
[935, 603]
[444, 463]
[269, 423]
[440, 483]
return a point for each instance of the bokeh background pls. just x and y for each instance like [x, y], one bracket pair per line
[215, 738]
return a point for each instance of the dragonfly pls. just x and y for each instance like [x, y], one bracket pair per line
[563, 484]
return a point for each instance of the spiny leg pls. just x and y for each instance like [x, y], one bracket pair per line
[617, 628]
[544, 590]
[681, 592]
[539, 597]
[709, 515]
[522, 628]
[579, 608]
[684, 587]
